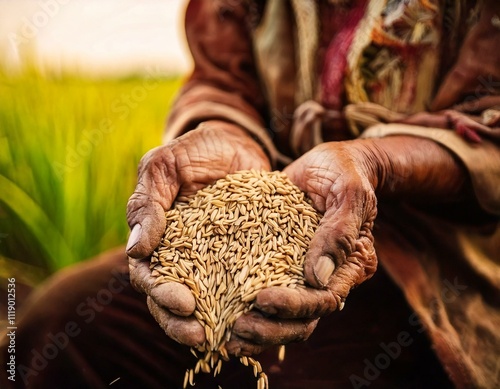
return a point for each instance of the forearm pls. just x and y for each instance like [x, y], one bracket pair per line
[413, 167]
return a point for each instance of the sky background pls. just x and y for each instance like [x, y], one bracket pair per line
[95, 37]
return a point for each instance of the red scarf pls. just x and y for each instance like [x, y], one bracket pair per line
[335, 62]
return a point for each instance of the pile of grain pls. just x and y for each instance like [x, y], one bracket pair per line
[246, 232]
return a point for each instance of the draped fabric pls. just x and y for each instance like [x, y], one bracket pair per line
[294, 74]
[378, 66]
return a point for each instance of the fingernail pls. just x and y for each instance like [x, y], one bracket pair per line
[324, 269]
[134, 236]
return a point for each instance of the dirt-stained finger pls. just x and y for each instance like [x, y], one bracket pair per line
[299, 303]
[185, 330]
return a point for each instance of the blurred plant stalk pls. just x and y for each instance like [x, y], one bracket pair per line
[52, 217]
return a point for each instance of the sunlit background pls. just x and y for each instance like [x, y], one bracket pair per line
[85, 88]
[94, 37]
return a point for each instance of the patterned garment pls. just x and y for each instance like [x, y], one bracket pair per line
[295, 73]
[298, 73]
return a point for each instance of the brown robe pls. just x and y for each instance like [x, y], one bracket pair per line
[252, 68]
[263, 65]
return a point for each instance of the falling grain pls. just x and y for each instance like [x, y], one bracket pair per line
[227, 242]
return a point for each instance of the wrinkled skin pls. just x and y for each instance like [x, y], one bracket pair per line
[180, 167]
[341, 254]
[342, 179]
[346, 249]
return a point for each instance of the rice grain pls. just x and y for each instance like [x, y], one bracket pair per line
[226, 243]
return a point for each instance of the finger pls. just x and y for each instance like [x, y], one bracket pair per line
[173, 296]
[253, 332]
[468, 125]
[146, 235]
[140, 275]
[155, 192]
[287, 303]
[335, 239]
[241, 347]
[312, 303]
[359, 267]
[253, 326]
[185, 330]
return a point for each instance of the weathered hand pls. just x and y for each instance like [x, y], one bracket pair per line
[180, 167]
[341, 254]
[342, 178]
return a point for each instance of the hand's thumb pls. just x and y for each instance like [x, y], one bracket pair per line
[332, 243]
[146, 234]
[154, 194]
[344, 228]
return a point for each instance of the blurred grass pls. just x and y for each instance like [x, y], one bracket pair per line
[69, 150]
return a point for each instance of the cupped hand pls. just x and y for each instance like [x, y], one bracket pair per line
[180, 168]
[341, 255]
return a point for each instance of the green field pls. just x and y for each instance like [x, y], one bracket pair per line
[69, 149]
